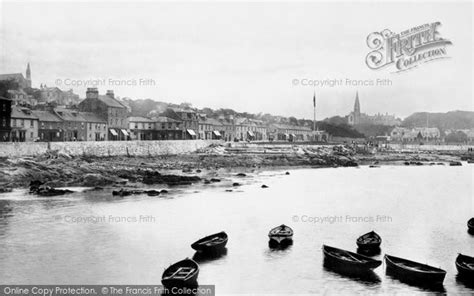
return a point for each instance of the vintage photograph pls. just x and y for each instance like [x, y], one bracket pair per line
[236, 148]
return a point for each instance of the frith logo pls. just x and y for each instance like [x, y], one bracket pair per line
[407, 49]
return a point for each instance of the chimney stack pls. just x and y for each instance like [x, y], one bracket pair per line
[110, 93]
[92, 93]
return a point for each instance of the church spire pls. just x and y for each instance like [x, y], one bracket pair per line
[28, 74]
[357, 104]
[357, 109]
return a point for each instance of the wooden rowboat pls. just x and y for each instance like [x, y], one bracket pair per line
[181, 274]
[414, 272]
[465, 266]
[213, 243]
[470, 225]
[370, 240]
[349, 262]
[281, 234]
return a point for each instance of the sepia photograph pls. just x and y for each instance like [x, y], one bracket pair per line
[236, 148]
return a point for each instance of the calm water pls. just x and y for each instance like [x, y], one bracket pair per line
[420, 212]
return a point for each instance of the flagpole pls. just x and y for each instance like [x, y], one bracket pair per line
[314, 115]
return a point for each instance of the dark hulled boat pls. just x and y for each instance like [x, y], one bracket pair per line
[369, 241]
[414, 272]
[347, 261]
[470, 225]
[281, 234]
[213, 243]
[181, 274]
[465, 266]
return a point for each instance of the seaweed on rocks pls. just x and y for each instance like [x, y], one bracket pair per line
[171, 180]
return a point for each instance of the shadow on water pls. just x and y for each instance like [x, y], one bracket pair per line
[426, 286]
[273, 245]
[369, 252]
[201, 258]
[369, 278]
[464, 280]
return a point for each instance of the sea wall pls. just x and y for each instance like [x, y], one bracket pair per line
[104, 148]
[414, 147]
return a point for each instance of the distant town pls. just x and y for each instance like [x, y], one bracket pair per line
[29, 114]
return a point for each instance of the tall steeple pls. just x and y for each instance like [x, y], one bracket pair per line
[357, 109]
[28, 74]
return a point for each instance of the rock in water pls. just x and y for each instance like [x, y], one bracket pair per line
[264, 186]
[93, 180]
[157, 178]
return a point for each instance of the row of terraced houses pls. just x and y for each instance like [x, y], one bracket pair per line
[104, 118]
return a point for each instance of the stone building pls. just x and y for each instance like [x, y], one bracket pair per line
[292, 133]
[189, 120]
[19, 78]
[401, 134]
[5, 119]
[96, 127]
[141, 128]
[356, 117]
[109, 109]
[24, 125]
[50, 127]
[250, 130]
[210, 129]
[167, 128]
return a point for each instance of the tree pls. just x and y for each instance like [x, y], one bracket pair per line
[6, 85]
[456, 137]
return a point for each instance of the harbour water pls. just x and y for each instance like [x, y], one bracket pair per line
[94, 238]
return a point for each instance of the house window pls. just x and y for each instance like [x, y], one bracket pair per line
[4, 122]
[32, 124]
[31, 135]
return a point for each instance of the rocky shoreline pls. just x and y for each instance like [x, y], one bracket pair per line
[59, 170]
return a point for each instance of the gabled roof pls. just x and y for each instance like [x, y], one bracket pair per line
[165, 119]
[92, 117]
[12, 76]
[111, 102]
[139, 119]
[46, 116]
[22, 113]
[68, 114]
[288, 126]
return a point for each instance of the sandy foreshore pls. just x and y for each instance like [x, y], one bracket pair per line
[58, 170]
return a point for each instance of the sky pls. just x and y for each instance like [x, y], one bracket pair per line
[251, 57]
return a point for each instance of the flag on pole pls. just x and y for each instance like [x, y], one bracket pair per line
[314, 99]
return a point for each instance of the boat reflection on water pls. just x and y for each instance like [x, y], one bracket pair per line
[465, 281]
[425, 286]
[273, 245]
[369, 252]
[368, 277]
[201, 257]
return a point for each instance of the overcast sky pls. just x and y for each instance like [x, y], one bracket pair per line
[243, 56]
